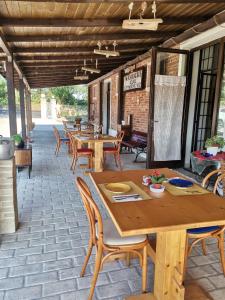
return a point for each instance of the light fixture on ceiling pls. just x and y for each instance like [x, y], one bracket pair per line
[80, 77]
[91, 70]
[106, 51]
[142, 24]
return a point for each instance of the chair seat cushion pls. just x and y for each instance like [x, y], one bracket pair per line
[109, 149]
[84, 150]
[112, 237]
[203, 230]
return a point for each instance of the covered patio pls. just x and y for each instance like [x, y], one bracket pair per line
[157, 93]
[43, 259]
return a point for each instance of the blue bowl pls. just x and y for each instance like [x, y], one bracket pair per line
[179, 182]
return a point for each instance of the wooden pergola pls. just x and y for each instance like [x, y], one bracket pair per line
[42, 43]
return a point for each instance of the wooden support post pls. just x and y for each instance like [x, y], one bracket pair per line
[22, 108]
[11, 96]
[28, 111]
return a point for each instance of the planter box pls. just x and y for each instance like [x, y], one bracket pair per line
[8, 199]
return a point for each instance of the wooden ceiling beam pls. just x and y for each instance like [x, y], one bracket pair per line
[92, 37]
[7, 50]
[107, 22]
[123, 1]
[75, 57]
[38, 50]
[60, 63]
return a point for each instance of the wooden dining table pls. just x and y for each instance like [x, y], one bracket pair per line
[96, 143]
[167, 216]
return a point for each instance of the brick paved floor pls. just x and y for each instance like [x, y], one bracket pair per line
[43, 259]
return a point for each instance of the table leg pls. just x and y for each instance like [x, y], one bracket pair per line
[169, 263]
[98, 163]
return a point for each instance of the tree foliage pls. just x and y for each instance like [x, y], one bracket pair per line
[3, 92]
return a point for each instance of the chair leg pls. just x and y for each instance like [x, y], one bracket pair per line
[144, 270]
[204, 247]
[128, 259]
[96, 271]
[71, 167]
[119, 162]
[115, 157]
[90, 246]
[74, 166]
[221, 247]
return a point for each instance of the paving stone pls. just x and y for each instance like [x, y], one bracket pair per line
[26, 269]
[218, 281]
[29, 236]
[125, 274]
[58, 232]
[218, 294]
[11, 283]
[41, 278]
[113, 290]
[14, 245]
[85, 282]
[59, 287]
[44, 241]
[71, 253]
[78, 295]
[69, 237]
[28, 293]
[41, 258]
[14, 261]
[72, 272]
[58, 247]
[6, 253]
[29, 251]
[57, 265]
[42, 228]
[203, 271]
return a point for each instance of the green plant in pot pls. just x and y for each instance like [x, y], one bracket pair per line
[18, 140]
[213, 144]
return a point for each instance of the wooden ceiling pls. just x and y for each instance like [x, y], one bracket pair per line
[50, 39]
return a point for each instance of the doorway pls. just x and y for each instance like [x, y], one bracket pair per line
[168, 107]
[205, 96]
[106, 107]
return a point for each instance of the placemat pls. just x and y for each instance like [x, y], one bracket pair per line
[135, 189]
[194, 190]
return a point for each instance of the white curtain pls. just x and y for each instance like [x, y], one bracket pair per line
[168, 114]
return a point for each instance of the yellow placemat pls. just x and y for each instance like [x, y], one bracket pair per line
[135, 189]
[193, 190]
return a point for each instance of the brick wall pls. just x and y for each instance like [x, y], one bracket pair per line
[95, 103]
[136, 103]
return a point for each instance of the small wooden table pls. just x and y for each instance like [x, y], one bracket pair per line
[169, 217]
[96, 143]
[23, 157]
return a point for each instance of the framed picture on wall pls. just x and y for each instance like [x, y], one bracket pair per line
[135, 80]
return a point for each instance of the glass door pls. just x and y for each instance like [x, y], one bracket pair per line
[168, 107]
[205, 99]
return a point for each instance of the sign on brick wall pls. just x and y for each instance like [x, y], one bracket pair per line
[134, 80]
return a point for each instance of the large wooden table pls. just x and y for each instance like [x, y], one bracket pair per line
[96, 143]
[169, 217]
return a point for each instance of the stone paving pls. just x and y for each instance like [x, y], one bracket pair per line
[43, 259]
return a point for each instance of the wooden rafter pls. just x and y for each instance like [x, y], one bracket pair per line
[122, 48]
[92, 37]
[76, 57]
[56, 22]
[123, 1]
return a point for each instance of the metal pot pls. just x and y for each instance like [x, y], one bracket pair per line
[6, 148]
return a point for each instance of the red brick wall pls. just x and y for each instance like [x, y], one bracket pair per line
[95, 103]
[136, 103]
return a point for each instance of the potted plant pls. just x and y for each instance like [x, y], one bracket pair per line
[157, 180]
[18, 140]
[6, 148]
[213, 144]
